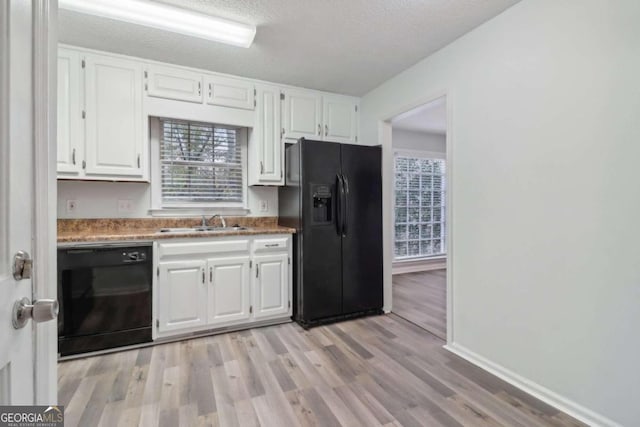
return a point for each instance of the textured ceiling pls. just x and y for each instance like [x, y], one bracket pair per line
[430, 118]
[335, 45]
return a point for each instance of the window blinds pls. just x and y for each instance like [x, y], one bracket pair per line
[200, 163]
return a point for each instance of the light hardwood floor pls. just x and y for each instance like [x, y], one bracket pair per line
[421, 298]
[374, 371]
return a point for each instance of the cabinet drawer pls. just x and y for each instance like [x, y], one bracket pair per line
[204, 247]
[273, 244]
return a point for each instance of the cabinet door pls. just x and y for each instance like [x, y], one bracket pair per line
[227, 92]
[182, 295]
[69, 137]
[302, 114]
[267, 138]
[173, 83]
[340, 119]
[271, 286]
[229, 300]
[113, 117]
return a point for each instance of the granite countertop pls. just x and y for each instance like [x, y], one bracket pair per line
[110, 230]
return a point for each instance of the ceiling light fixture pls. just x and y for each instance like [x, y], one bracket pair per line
[166, 18]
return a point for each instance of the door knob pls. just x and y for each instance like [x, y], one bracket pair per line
[22, 265]
[40, 311]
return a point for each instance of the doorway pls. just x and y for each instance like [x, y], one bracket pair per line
[419, 216]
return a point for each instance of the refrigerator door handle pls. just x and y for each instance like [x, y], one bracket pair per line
[345, 204]
[340, 191]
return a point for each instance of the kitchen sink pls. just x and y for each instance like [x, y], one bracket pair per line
[202, 229]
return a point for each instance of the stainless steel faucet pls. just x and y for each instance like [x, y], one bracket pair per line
[205, 220]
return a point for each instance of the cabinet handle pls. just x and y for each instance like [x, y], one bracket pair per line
[211, 274]
[319, 129]
[261, 168]
[326, 130]
[199, 88]
[73, 156]
[138, 161]
[257, 270]
[203, 275]
[84, 164]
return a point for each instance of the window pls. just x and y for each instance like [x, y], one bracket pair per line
[419, 207]
[201, 164]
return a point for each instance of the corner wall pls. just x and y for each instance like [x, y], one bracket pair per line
[545, 106]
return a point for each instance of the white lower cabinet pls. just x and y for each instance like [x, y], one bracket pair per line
[271, 285]
[182, 296]
[228, 290]
[208, 283]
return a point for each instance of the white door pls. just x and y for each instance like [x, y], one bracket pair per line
[271, 286]
[302, 114]
[229, 300]
[340, 119]
[17, 206]
[182, 295]
[173, 83]
[114, 120]
[268, 137]
[69, 138]
[230, 92]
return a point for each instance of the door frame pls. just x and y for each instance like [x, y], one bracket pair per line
[45, 67]
[385, 140]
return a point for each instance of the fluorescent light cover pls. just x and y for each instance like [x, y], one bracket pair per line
[166, 18]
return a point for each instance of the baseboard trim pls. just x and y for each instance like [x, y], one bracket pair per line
[402, 267]
[568, 406]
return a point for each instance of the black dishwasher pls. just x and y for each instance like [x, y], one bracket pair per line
[105, 297]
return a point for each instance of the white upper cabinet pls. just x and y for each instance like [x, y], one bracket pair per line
[114, 117]
[271, 286]
[302, 114]
[266, 156]
[229, 293]
[69, 137]
[173, 83]
[182, 295]
[340, 119]
[228, 92]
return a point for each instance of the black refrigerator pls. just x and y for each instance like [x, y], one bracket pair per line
[333, 198]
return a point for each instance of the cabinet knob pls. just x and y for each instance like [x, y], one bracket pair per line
[326, 130]
[319, 129]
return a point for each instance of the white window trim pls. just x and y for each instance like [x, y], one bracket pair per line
[423, 155]
[193, 209]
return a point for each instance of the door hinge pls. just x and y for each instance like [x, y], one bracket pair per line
[158, 271]
[83, 63]
[281, 96]
[289, 306]
[157, 323]
[255, 92]
[255, 103]
[146, 87]
[84, 164]
[250, 309]
[281, 174]
[289, 260]
[145, 74]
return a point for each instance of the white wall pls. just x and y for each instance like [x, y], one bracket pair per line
[419, 141]
[544, 141]
[100, 199]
